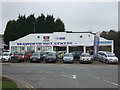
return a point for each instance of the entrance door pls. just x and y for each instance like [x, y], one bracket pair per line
[75, 48]
[59, 48]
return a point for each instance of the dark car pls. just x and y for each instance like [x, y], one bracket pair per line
[76, 54]
[36, 57]
[51, 57]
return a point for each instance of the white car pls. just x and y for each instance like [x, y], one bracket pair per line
[68, 57]
[5, 56]
[85, 58]
[107, 57]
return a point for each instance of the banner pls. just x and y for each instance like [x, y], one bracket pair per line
[96, 46]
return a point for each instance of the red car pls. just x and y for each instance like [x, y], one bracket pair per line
[27, 55]
[20, 56]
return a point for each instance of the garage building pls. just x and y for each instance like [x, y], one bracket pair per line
[59, 41]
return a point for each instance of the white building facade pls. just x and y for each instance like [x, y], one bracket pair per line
[59, 41]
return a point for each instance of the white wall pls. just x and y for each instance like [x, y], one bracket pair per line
[69, 37]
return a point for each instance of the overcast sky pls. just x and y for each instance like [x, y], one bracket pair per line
[77, 16]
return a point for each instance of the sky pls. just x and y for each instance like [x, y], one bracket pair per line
[77, 16]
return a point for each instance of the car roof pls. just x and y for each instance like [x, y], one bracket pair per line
[68, 53]
[106, 52]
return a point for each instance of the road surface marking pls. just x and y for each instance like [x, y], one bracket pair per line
[107, 81]
[70, 76]
[22, 81]
[97, 77]
[112, 82]
[74, 76]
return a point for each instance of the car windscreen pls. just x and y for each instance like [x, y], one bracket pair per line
[68, 55]
[51, 54]
[111, 55]
[85, 55]
[6, 54]
[19, 54]
[35, 54]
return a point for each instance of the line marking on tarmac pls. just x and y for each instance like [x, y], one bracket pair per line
[22, 81]
[70, 76]
[107, 81]
[111, 82]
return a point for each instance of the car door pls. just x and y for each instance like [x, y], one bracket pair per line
[104, 57]
[100, 56]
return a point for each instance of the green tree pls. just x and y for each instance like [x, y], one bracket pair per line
[10, 32]
[113, 35]
[23, 26]
[59, 26]
[40, 24]
[49, 24]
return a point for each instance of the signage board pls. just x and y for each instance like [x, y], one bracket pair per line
[96, 46]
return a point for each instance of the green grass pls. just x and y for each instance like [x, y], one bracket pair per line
[8, 84]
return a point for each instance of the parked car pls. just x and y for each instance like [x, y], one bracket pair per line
[85, 58]
[36, 57]
[76, 54]
[20, 56]
[107, 57]
[27, 55]
[45, 53]
[68, 57]
[60, 54]
[51, 57]
[5, 56]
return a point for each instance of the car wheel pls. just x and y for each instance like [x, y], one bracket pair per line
[98, 59]
[39, 61]
[107, 61]
[9, 60]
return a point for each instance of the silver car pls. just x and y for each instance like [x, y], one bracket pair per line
[51, 57]
[68, 57]
[85, 58]
[5, 56]
[107, 57]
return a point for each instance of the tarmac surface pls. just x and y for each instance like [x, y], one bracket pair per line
[59, 75]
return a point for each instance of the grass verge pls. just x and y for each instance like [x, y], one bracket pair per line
[8, 84]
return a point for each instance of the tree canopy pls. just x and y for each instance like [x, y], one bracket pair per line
[113, 35]
[16, 29]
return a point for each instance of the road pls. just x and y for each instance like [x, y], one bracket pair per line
[53, 75]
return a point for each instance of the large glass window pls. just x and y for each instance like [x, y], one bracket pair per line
[46, 48]
[30, 48]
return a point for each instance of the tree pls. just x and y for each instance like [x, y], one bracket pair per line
[113, 35]
[49, 24]
[59, 26]
[23, 26]
[9, 34]
[40, 24]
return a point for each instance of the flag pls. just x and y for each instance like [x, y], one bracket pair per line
[96, 46]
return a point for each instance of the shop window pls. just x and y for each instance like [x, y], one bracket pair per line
[23, 48]
[30, 48]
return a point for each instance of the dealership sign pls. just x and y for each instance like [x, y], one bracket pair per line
[47, 43]
[96, 46]
[46, 38]
[60, 38]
